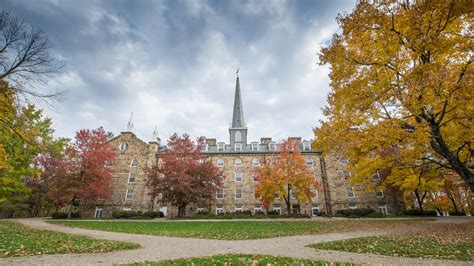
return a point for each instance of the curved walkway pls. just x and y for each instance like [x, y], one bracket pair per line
[161, 248]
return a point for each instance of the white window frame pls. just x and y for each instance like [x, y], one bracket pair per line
[380, 194]
[98, 212]
[217, 193]
[241, 176]
[315, 193]
[134, 177]
[376, 176]
[353, 207]
[219, 209]
[220, 160]
[257, 208]
[254, 177]
[237, 146]
[255, 162]
[272, 146]
[309, 161]
[238, 208]
[315, 207]
[241, 193]
[238, 161]
[123, 147]
[127, 209]
[126, 194]
[134, 163]
[277, 209]
[315, 175]
[383, 209]
[353, 192]
[306, 146]
[199, 209]
[220, 146]
[346, 174]
[255, 146]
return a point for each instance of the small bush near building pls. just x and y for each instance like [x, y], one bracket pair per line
[376, 215]
[63, 215]
[136, 215]
[417, 212]
[459, 213]
[355, 213]
[245, 215]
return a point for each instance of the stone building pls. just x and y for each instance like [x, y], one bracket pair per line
[238, 160]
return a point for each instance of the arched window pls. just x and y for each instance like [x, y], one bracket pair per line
[123, 146]
[238, 136]
[255, 162]
[220, 163]
[134, 163]
[238, 161]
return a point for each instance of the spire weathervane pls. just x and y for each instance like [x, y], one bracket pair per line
[237, 72]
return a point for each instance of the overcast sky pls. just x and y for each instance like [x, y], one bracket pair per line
[173, 64]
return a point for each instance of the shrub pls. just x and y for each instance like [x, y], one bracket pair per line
[273, 213]
[136, 214]
[376, 215]
[63, 215]
[459, 213]
[418, 212]
[354, 213]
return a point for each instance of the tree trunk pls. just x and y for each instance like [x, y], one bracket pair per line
[420, 199]
[439, 146]
[288, 200]
[450, 196]
[152, 203]
[182, 210]
[71, 203]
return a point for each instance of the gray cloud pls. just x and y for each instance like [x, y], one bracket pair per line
[173, 63]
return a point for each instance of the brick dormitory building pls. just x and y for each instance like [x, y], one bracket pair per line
[238, 159]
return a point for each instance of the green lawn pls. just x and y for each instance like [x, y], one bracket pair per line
[452, 242]
[241, 260]
[236, 229]
[18, 240]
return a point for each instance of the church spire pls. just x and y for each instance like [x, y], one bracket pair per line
[238, 115]
[129, 127]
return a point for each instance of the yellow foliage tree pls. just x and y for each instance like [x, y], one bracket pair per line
[402, 80]
[286, 177]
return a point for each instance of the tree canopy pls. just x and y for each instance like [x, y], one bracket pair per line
[402, 82]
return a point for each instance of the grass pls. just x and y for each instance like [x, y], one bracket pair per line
[451, 241]
[18, 240]
[237, 230]
[236, 259]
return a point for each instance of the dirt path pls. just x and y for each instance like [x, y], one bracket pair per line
[159, 248]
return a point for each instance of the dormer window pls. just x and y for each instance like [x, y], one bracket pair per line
[272, 146]
[306, 146]
[238, 161]
[134, 163]
[254, 146]
[220, 146]
[238, 147]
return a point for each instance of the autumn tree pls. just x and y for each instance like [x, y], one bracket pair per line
[182, 175]
[402, 78]
[83, 173]
[286, 177]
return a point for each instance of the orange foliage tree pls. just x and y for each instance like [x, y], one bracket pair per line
[285, 176]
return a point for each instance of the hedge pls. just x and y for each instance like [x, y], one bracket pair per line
[418, 212]
[245, 215]
[136, 215]
[354, 213]
[63, 215]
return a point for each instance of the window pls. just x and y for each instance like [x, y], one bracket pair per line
[272, 146]
[254, 191]
[277, 209]
[350, 192]
[238, 193]
[314, 191]
[131, 177]
[346, 174]
[379, 194]
[383, 209]
[219, 209]
[129, 194]
[238, 146]
[255, 178]
[220, 163]
[376, 176]
[238, 177]
[293, 194]
[222, 177]
[238, 161]
[315, 176]
[352, 206]
[206, 148]
[220, 146]
[238, 209]
[220, 193]
[254, 146]
[309, 160]
[127, 209]
[314, 210]
[134, 163]
[344, 161]
[238, 136]
[257, 209]
[277, 195]
[98, 212]
[306, 146]
[255, 162]
[200, 210]
[123, 147]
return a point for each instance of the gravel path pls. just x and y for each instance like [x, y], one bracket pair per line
[159, 248]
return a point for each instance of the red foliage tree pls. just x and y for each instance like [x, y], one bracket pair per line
[84, 174]
[183, 174]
